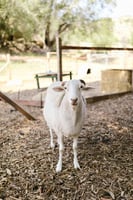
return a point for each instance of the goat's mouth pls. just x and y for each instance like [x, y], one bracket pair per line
[74, 103]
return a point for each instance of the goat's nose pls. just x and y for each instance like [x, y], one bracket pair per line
[74, 101]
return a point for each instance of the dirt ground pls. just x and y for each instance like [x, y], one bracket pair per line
[105, 152]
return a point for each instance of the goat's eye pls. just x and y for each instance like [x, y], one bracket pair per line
[81, 86]
[65, 88]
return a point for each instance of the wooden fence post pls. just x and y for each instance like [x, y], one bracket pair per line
[59, 57]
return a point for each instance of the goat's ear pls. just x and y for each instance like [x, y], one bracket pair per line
[83, 82]
[58, 89]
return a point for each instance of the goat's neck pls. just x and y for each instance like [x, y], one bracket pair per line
[72, 111]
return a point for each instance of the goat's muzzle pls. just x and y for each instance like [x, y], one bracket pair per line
[74, 102]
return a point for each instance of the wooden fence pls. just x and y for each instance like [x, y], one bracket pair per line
[60, 48]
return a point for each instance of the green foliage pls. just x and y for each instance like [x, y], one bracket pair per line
[102, 33]
[27, 18]
[16, 20]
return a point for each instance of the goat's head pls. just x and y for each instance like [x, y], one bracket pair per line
[72, 89]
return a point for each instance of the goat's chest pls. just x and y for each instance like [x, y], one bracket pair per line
[71, 122]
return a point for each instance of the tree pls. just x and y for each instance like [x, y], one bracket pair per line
[102, 33]
[16, 21]
[66, 15]
[26, 18]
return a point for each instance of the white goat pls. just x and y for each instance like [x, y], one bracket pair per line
[64, 112]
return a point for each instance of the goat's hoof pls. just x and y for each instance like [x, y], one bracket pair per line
[58, 168]
[76, 165]
[52, 145]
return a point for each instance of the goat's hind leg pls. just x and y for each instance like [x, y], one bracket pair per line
[75, 142]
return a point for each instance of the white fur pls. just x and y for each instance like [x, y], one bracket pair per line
[64, 112]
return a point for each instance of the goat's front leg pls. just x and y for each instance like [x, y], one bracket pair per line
[75, 142]
[61, 148]
[52, 145]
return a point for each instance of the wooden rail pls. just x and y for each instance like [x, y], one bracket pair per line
[96, 48]
[89, 99]
[16, 106]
